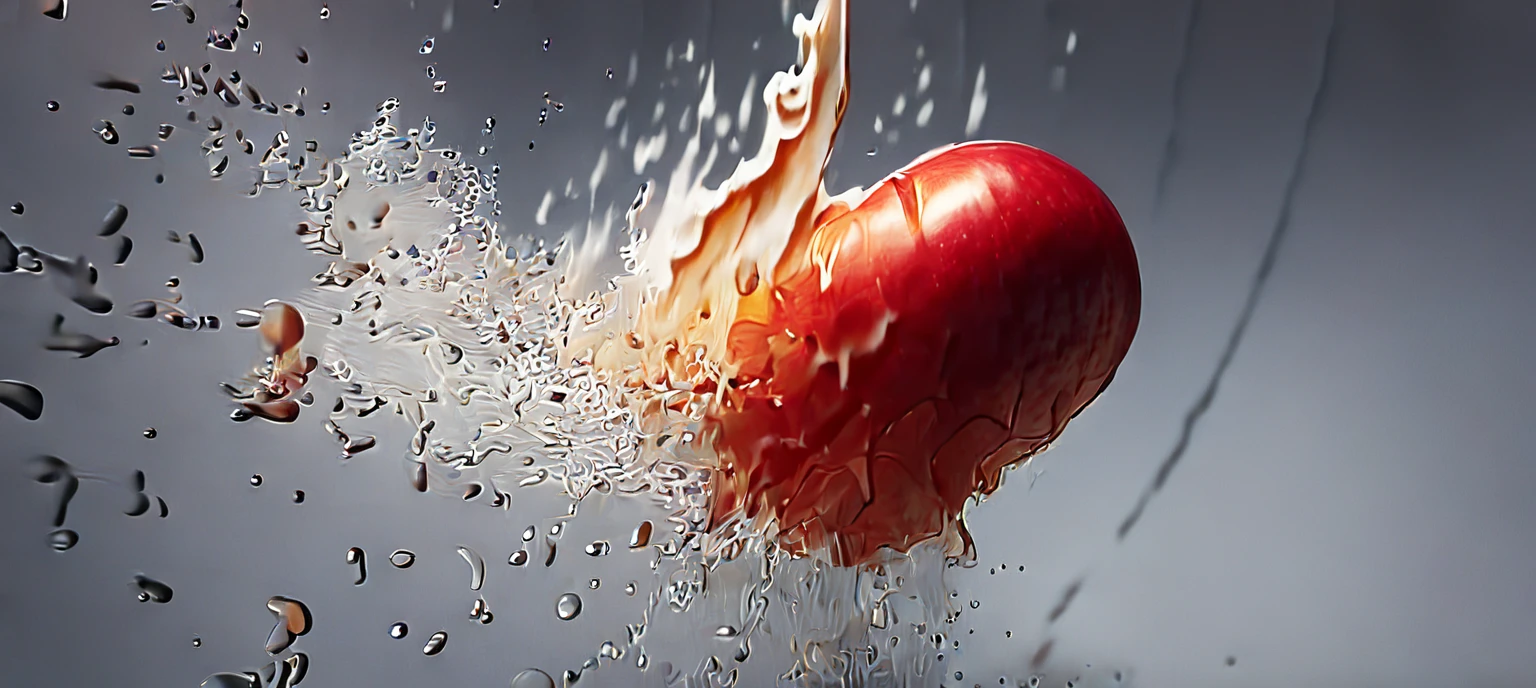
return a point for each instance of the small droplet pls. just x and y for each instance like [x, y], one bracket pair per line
[256, 480]
[298, 496]
[293, 620]
[160, 46]
[518, 558]
[53, 106]
[358, 558]
[426, 46]
[128, 109]
[568, 607]
[594, 584]
[107, 131]
[610, 72]
[546, 45]
[151, 590]
[151, 433]
[597, 549]
[476, 566]
[63, 539]
[402, 558]
[399, 630]
[532, 678]
[530, 145]
[435, 644]
[18, 208]
[629, 588]
[325, 11]
[1231, 660]
[528, 534]
[642, 535]
[59, 10]
[196, 641]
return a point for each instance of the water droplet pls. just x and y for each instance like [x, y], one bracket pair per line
[151, 433]
[151, 590]
[532, 678]
[160, 46]
[629, 588]
[143, 151]
[225, 679]
[303, 56]
[1231, 660]
[53, 106]
[476, 566]
[128, 109]
[530, 145]
[18, 208]
[518, 558]
[610, 72]
[63, 539]
[196, 641]
[325, 11]
[298, 496]
[59, 10]
[399, 630]
[293, 620]
[107, 131]
[256, 480]
[402, 558]
[725, 632]
[22, 398]
[439, 86]
[642, 535]
[598, 548]
[426, 46]
[435, 644]
[546, 45]
[568, 607]
[356, 557]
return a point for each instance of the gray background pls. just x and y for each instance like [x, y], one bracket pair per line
[1354, 510]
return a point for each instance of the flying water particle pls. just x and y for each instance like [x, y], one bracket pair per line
[481, 612]
[978, 109]
[114, 220]
[128, 110]
[196, 641]
[358, 559]
[160, 46]
[18, 208]
[325, 11]
[83, 345]
[196, 247]
[142, 152]
[532, 678]
[165, 130]
[22, 398]
[439, 86]
[546, 45]
[256, 480]
[402, 558]
[293, 620]
[399, 629]
[610, 73]
[303, 56]
[427, 45]
[629, 588]
[63, 539]
[52, 105]
[151, 590]
[518, 558]
[568, 606]
[106, 131]
[151, 433]
[528, 533]
[298, 496]
[116, 84]
[225, 679]
[476, 566]
[598, 548]
[925, 113]
[58, 11]
[435, 644]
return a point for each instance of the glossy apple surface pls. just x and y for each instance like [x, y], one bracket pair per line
[948, 326]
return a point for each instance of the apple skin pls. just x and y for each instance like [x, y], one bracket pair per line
[947, 327]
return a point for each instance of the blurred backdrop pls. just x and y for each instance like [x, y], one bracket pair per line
[1351, 508]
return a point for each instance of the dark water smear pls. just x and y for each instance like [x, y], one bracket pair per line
[114, 220]
[1256, 289]
[1180, 85]
[22, 398]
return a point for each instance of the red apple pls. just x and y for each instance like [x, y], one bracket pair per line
[947, 327]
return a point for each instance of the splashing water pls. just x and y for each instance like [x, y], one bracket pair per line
[519, 364]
